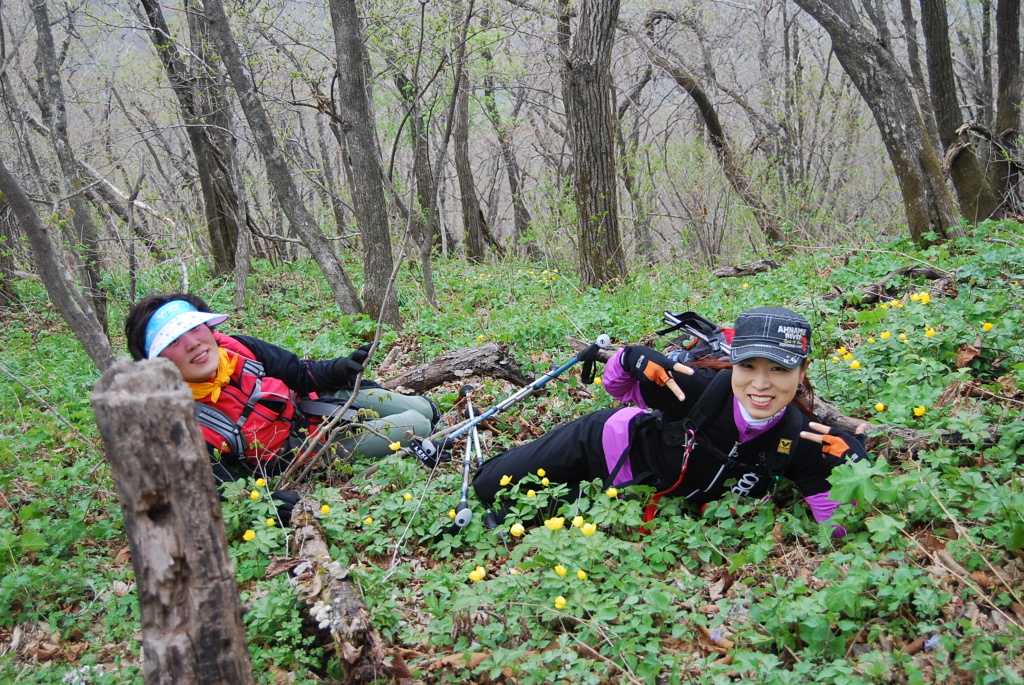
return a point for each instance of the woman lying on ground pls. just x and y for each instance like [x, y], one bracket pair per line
[259, 387]
[753, 426]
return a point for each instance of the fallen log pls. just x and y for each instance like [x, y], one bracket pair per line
[875, 292]
[493, 360]
[750, 269]
[336, 604]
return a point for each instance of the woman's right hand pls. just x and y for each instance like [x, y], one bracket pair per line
[647, 365]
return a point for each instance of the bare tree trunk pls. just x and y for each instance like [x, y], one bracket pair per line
[368, 190]
[277, 169]
[882, 83]
[628, 154]
[426, 193]
[54, 114]
[8, 239]
[977, 201]
[192, 629]
[767, 220]
[1006, 173]
[74, 309]
[471, 215]
[520, 214]
[204, 109]
[586, 88]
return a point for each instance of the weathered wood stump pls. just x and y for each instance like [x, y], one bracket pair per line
[192, 629]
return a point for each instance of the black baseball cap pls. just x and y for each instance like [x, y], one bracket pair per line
[775, 333]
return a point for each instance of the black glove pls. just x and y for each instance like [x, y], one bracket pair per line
[360, 355]
[588, 356]
[348, 367]
[643, 363]
[285, 500]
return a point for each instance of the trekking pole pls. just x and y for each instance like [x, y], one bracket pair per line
[463, 514]
[426, 451]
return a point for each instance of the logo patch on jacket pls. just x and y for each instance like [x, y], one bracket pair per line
[785, 446]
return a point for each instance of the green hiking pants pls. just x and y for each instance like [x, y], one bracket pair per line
[397, 418]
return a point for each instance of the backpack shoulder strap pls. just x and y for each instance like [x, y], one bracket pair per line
[710, 401]
[218, 421]
[789, 437]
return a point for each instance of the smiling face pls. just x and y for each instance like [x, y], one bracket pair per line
[764, 387]
[196, 354]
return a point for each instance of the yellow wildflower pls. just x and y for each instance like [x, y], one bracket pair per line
[746, 285]
[517, 530]
[368, 520]
[855, 364]
[986, 326]
[612, 492]
[407, 496]
[588, 528]
[561, 570]
[925, 298]
[871, 340]
[505, 480]
[903, 336]
[848, 356]
[325, 509]
[577, 521]
[531, 493]
[248, 535]
[885, 335]
[452, 514]
[915, 297]
[541, 472]
[477, 574]
[879, 407]
[395, 446]
[581, 574]
[560, 602]
[545, 481]
[841, 351]
[555, 523]
[919, 411]
[255, 494]
[836, 359]
[929, 333]
[479, 338]
[271, 522]
[260, 483]
[598, 380]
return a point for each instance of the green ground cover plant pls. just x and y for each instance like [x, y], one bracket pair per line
[926, 587]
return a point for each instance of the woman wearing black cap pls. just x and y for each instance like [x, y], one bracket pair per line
[693, 430]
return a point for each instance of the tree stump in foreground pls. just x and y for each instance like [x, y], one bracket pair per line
[192, 629]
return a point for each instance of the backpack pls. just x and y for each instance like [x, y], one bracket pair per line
[701, 337]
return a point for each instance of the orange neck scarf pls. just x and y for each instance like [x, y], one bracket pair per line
[212, 387]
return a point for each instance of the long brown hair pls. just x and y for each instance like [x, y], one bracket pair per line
[804, 399]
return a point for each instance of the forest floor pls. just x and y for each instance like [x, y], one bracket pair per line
[925, 587]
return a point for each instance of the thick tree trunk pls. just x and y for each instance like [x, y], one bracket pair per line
[368, 190]
[977, 201]
[74, 309]
[882, 83]
[586, 90]
[192, 629]
[54, 114]
[472, 222]
[277, 169]
[1006, 172]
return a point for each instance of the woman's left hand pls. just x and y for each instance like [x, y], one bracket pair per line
[835, 445]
